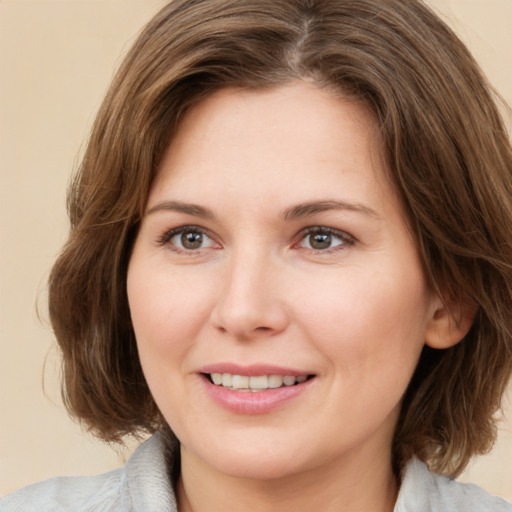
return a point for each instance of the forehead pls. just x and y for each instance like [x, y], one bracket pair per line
[273, 139]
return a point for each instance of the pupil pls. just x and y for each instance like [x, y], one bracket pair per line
[321, 241]
[191, 240]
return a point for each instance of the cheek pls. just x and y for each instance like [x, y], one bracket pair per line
[365, 319]
[167, 311]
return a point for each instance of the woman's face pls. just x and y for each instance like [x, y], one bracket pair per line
[277, 296]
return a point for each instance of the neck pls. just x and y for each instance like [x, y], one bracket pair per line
[360, 485]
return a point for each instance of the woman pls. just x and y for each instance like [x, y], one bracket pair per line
[290, 260]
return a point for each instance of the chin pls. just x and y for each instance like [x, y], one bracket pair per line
[253, 459]
[263, 467]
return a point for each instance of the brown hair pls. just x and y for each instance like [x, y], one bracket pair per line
[449, 158]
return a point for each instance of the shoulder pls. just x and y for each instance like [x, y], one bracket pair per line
[423, 491]
[78, 493]
[141, 485]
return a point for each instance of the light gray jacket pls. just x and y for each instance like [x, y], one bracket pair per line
[142, 486]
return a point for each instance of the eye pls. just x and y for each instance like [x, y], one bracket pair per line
[324, 239]
[187, 239]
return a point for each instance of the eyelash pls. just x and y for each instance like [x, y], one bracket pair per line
[169, 235]
[345, 238]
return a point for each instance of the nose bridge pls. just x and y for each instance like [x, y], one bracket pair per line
[249, 303]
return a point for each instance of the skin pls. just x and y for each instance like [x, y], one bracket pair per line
[258, 290]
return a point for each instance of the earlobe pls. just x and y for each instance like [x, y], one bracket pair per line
[447, 327]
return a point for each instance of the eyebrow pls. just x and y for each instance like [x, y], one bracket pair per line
[179, 206]
[307, 209]
[292, 213]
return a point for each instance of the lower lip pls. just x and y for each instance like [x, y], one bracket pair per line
[254, 402]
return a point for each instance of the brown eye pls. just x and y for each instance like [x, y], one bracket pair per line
[187, 239]
[320, 241]
[325, 239]
[191, 240]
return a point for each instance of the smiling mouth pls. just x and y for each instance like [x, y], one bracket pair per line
[255, 383]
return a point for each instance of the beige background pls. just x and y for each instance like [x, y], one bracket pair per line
[56, 59]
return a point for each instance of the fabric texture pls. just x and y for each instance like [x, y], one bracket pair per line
[142, 485]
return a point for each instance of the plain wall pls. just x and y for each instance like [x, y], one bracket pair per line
[56, 60]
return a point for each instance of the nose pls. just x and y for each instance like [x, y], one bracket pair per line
[250, 303]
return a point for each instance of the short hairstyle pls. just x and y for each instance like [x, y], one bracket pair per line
[448, 156]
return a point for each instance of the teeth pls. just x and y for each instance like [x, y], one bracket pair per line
[288, 380]
[275, 381]
[258, 382]
[255, 383]
[239, 382]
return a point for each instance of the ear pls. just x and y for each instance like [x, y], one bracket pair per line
[448, 324]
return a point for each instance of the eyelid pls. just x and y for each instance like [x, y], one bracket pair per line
[346, 238]
[169, 234]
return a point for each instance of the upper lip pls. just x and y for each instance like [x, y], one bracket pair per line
[252, 370]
